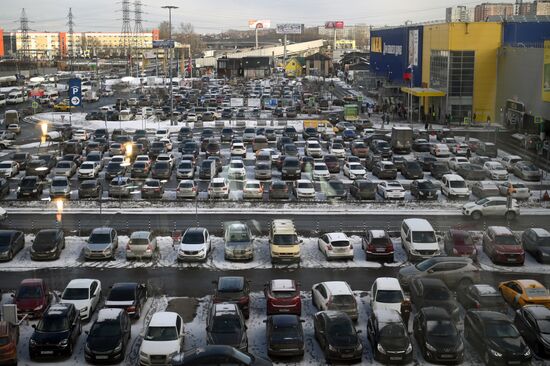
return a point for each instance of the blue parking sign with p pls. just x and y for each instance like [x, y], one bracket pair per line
[75, 92]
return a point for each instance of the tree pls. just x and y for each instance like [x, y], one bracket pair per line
[164, 30]
[186, 35]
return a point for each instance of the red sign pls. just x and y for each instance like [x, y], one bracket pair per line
[334, 24]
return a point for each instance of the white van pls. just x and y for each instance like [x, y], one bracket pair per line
[16, 97]
[125, 115]
[419, 239]
[454, 186]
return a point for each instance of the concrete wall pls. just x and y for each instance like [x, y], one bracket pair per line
[520, 77]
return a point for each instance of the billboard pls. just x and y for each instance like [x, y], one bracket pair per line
[290, 28]
[259, 24]
[546, 73]
[413, 47]
[164, 43]
[376, 44]
[334, 24]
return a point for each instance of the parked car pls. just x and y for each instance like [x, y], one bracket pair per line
[387, 294]
[32, 298]
[418, 239]
[233, 289]
[471, 171]
[84, 294]
[440, 150]
[130, 296]
[285, 335]
[334, 295]
[162, 338]
[492, 206]
[426, 161]
[333, 164]
[218, 188]
[526, 171]
[11, 243]
[142, 244]
[482, 189]
[304, 189]
[384, 170]
[56, 333]
[518, 293]
[455, 162]
[423, 189]
[9, 169]
[278, 190]
[108, 337]
[459, 243]
[203, 355]
[195, 245]
[433, 292]
[225, 325]
[47, 244]
[391, 190]
[335, 246]
[502, 247]
[532, 323]
[9, 333]
[238, 242]
[495, 170]
[509, 161]
[90, 189]
[515, 190]
[454, 186]
[363, 189]
[152, 188]
[30, 186]
[377, 246]
[253, 189]
[389, 337]
[186, 189]
[495, 338]
[60, 187]
[438, 169]
[101, 244]
[481, 297]
[283, 297]
[334, 189]
[337, 337]
[437, 336]
[455, 272]
[536, 241]
[412, 170]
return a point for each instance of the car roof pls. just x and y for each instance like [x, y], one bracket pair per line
[528, 283]
[283, 285]
[419, 224]
[377, 234]
[538, 311]
[224, 308]
[500, 230]
[140, 235]
[231, 283]
[102, 230]
[337, 236]
[163, 319]
[491, 315]
[485, 290]
[387, 283]
[338, 287]
[453, 177]
[435, 313]
[58, 309]
[541, 232]
[80, 283]
[32, 281]
[218, 180]
[108, 314]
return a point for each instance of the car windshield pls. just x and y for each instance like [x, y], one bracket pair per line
[152, 183]
[392, 330]
[458, 184]
[193, 237]
[424, 237]
[53, 323]
[340, 329]
[185, 165]
[389, 296]
[305, 185]
[29, 292]
[238, 236]
[482, 201]
[75, 294]
[438, 294]
[343, 300]
[98, 238]
[505, 240]
[237, 164]
[59, 183]
[226, 324]
[291, 163]
[426, 185]
[5, 166]
[285, 332]
[500, 329]
[441, 328]
[285, 239]
[5, 239]
[161, 334]
[122, 294]
[64, 164]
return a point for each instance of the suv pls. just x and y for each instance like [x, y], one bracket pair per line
[56, 333]
[456, 272]
[225, 325]
[419, 239]
[102, 244]
[491, 206]
[378, 245]
[32, 297]
[335, 246]
[334, 295]
[239, 244]
[283, 241]
[291, 168]
[283, 297]
[501, 246]
[162, 338]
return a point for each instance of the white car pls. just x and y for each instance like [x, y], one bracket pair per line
[81, 135]
[195, 245]
[9, 168]
[167, 143]
[510, 160]
[253, 189]
[439, 150]
[459, 149]
[85, 294]
[496, 170]
[162, 134]
[168, 158]
[354, 170]
[238, 149]
[191, 117]
[334, 295]
[335, 246]
[218, 188]
[15, 128]
[391, 189]
[117, 159]
[88, 169]
[517, 190]
[491, 206]
[162, 339]
[144, 158]
[337, 150]
[455, 161]
[313, 149]
[236, 170]
[304, 189]
[386, 294]
[320, 171]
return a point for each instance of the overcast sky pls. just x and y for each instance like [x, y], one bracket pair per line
[213, 16]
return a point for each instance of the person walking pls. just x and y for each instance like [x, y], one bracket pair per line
[488, 121]
[406, 308]
[468, 153]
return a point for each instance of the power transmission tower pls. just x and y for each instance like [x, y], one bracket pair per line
[518, 8]
[126, 30]
[138, 26]
[24, 52]
[70, 23]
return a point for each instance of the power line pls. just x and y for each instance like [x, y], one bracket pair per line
[138, 25]
[126, 29]
[70, 23]
[24, 53]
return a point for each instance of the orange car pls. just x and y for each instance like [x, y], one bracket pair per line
[518, 293]
[9, 337]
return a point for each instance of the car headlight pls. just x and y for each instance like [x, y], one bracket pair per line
[118, 348]
[87, 348]
[84, 309]
[352, 176]
[32, 342]
[332, 348]
[359, 346]
[39, 307]
[430, 347]
[527, 353]
[409, 348]
[381, 349]
[460, 347]
[243, 344]
[495, 353]
[143, 354]
[64, 343]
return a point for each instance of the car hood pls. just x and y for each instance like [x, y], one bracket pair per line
[230, 339]
[470, 205]
[395, 344]
[78, 304]
[443, 342]
[507, 345]
[28, 304]
[509, 249]
[464, 249]
[49, 337]
[376, 306]
[192, 247]
[160, 348]
[103, 344]
[98, 246]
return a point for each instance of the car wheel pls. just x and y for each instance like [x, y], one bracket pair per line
[476, 215]
[137, 315]
[510, 215]
[313, 301]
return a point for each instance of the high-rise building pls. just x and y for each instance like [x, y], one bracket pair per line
[542, 7]
[459, 13]
[485, 10]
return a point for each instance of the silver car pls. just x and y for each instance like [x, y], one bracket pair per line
[60, 187]
[65, 168]
[239, 244]
[101, 244]
[263, 170]
[142, 245]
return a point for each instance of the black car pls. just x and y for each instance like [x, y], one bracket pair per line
[56, 333]
[157, 148]
[233, 289]
[4, 187]
[190, 147]
[37, 168]
[482, 297]
[438, 169]
[227, 134]
[537, 243]
[227, 113]
[334, 189]
[285, 335]
[114, 169]
[291, 168]
[291, 132]
[430, 292]
[48, 244]
[11, 242]
[129, 296]
[90, 188]
[282, 141]
[209, 356]
[382, 148]
[225, 324]
[310, 132]
[495, 338]
[389, 337]
[533, 323]
[421, 145]
[424, 189]
[336, 334]
[363, 190]
[426, 161]
[185, 133]
[108, 337]
[437, 336]
[412, 170]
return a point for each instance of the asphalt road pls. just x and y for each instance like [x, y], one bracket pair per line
[306, 224]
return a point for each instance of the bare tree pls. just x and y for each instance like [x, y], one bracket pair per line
[186, 35]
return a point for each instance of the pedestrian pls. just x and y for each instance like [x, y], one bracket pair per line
[406, 309]
[488, 121]
[468, 153]
[426, 125]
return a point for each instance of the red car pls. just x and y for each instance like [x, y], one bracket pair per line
[501, 245]
[458, 243]
[283, 297]
[378, 245]
[32, 297]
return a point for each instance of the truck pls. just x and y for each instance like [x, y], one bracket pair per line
[401, 139]
[351, 112]
[11, 116]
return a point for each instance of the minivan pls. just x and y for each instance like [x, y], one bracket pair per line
[284, 244]
[419, 239]
[454, 186]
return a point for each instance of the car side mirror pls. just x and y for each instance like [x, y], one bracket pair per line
[301, 241]
[430, 271]
[13, 295]
[142, 285]
[34, 326]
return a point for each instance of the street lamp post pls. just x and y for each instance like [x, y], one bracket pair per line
[170, 7]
